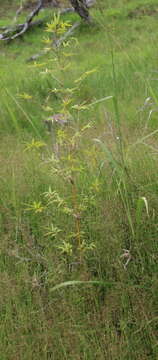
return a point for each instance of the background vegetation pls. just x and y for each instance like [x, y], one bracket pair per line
[78, 205]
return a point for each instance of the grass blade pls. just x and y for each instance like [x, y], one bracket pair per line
[78, 282]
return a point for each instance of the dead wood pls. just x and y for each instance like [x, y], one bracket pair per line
[57, 43]
[15, 31]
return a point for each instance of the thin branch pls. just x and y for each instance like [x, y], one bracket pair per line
[35, 11]
[58, 42]
[89, 3]
[22, 28]
[18, 12]
[37, 56]
[12, 32]
[55, 44]
[19, 27]
[66, 10]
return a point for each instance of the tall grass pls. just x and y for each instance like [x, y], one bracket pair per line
[79, 203]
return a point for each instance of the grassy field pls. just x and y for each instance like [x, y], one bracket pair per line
[78, 204]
